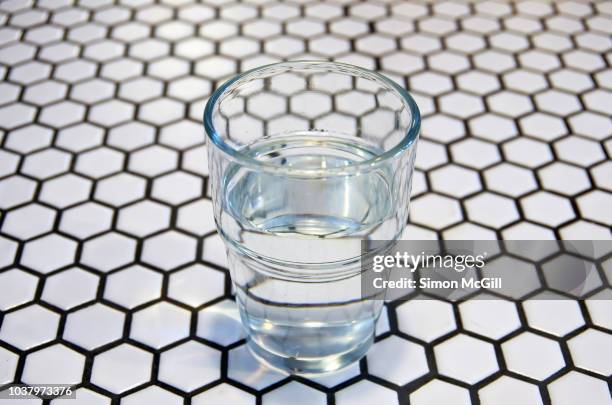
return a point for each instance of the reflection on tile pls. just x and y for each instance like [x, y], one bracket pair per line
[244, 368]
[189, 366]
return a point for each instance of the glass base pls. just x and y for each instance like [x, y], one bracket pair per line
[312, 366]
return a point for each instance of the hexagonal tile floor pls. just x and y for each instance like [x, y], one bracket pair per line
[103, 187]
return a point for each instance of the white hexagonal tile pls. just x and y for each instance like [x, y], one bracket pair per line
[120, 189]
[65, 190]
[9, 162]
[386, 357]
[532, 355]
[222, 393]
[152, 395]
[111, 113]
[16, 190]
[367, 392]
[121, 368]
[590, 351]
[461, 105]
[598, 308]
[177, 188]
[510, 103]
[131, 136]
[94, 326]
[602, 175]
[46, 163]
[28, 221]
[143, 218]
[583, 230]
[10, 93]
[575, 387]
[539, 60]
[196, 217]
[435, 211]
[79, 137]
[553, 314]
[525, 81]
[9, 361]
[527, 152]
[570, 80]
[108, 252]
[493, 127]
[440, 392]
[510, 180]
[491, 210]
[70, 288]
[120, 70]
[169, 250]
[426, 319]
[547, 209]
[119, 286]
[475, 153]
[543, 126]
[86, 220]
[430, 83]
[196, 285]
[593, 205]
[29, 327]
[507, 390]
[160, 324]
[29, 138]
[140, 89]
[55, 364]
[579, 151]
[294, 392]
[465, 358]
[442, 128]
[189, 366]
[400, 62]
[591, 125]
[489, 316]
[14, 115]
[48, 253]
[99, 162]
[93, 91]
[75, 70]
[84, 396]
[161, 111]
[564, 179]
[62, 114]
[153, 160]
[182, 135]
[470, 231]
[8, 250]
[16, 287]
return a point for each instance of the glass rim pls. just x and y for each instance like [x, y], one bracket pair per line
[365, 165]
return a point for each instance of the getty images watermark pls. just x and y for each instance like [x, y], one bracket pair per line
[458, 270]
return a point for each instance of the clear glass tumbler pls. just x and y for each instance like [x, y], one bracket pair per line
[307, 159]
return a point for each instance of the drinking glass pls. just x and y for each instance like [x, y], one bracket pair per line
[307, 160]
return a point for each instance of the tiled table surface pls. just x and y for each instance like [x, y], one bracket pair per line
[112, 276]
